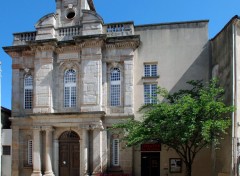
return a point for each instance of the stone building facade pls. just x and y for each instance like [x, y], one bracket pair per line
[75, 76]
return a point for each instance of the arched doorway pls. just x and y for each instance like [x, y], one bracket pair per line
[69, 154]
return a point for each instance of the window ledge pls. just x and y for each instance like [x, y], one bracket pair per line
[28, 166]
[150, 77]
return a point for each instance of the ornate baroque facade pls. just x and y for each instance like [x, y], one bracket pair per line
[76, 76]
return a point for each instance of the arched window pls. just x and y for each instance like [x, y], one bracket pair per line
[70, 91]
[115, 87]
[28, 91]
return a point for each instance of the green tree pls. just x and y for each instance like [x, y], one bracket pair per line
[186, 121]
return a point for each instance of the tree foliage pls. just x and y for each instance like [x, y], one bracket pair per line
[187, 120]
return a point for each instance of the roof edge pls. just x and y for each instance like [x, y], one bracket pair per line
[225, 26]
[171, 23]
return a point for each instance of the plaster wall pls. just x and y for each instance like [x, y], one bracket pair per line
[181, 52]
[222, 57]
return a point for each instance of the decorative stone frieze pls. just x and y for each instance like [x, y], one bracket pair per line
[44, 48]
[14, 54]
[133, 45]
[72, 48]
[132, 41]
[28, 53]
[90, 44]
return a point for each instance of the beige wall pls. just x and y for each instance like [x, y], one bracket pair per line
[181, 51]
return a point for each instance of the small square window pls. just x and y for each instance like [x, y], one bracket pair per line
[6, 150]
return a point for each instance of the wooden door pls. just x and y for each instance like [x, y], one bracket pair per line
[69, 157]
[150, 164]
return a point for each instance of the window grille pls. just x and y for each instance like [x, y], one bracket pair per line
[150, 93]
[150, 70]
[115, 87]
[30, 150]
[70, 90]
[115, 152]
[28, 92]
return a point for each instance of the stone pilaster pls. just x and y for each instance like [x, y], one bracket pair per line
[15, 151]
[104, 86]
[48, 152]
[36, 152]
[92, 79]
[16, 91]
[128, 87]
[43, 65]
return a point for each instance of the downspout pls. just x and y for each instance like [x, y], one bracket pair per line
[234, 114]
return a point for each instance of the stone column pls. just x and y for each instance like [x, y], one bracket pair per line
[96, 151]
[103, 150]
[15, 150]
[86, 151]
[55, 156]
[48, 154]
[36, 152]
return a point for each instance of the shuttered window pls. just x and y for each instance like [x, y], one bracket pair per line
[30, 150]
[115, 152]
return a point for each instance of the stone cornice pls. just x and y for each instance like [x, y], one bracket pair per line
[17, 51]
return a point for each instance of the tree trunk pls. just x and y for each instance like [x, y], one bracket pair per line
[188, 169]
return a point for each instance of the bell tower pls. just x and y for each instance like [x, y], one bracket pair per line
[69, 12]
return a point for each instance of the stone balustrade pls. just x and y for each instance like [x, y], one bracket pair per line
[66, 33]
[69, 31]
[119, 29]
[21, 38]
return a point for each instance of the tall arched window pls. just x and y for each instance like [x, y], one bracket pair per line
[70, 91]
[28, 91]
[115, 89]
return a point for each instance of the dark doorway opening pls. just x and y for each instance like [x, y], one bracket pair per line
[69, 154]
[150, 164]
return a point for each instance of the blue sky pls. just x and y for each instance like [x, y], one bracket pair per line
[21, 16]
